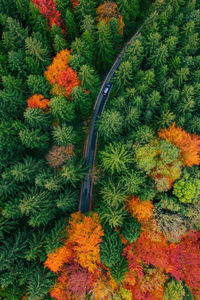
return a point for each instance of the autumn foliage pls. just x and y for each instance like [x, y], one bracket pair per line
[77, 260]
[142, 210]
[109, 10]
[189, 144]
[38, 101]
[75, 3]
[49, 10]
[60, 75]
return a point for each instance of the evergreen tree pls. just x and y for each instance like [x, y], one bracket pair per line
[63, 135]
[131, 229]
[123, 76]
[70, 23]
[34, 138]
[83, 101]
[61, 109]
[89, 80]
[104, 45]
[110, 248]
[38, 85]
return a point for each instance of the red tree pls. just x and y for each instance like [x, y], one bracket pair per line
[48, 9]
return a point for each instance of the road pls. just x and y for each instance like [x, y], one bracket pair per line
[87, 184]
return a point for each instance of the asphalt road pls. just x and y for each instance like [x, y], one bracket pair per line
[87, 184]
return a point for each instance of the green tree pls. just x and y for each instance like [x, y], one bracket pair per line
[110, 125]
[59, 42]
[131, 229]
[104, 45]
[112, 194]
[174, 289]
[89, 80]
[110, 248]
[119, 270]
[83, 102]
[68, 201]
[34, 138]
[63, 135]
[85, 8]
[35, 118]
[73, 172]
[88, 38]
[123, 76]
[71, 25]
[117, 37]
[61, 109]
[115, 158]
[187, 189]
[112, 216]
[38, 84]
[88, 24]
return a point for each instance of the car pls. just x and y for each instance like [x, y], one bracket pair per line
[106, 88]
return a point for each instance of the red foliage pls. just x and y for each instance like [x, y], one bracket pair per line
[69, 79]
[75, 3]
[38, 101]
[189, 144]
[48, 9]
[59, 74]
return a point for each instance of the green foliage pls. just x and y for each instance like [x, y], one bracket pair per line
[63, 135]
[110, 125]
[174, 290]
[123, 76]
[131, 229]
[61, 109]
[112, 216]
[115, 158]
[110, 248]
[71, 25]
[187, 189]
[119, 270]
[105, 45]
[38, 85]
[89, 80]
[113, 195]
[73, 173]
[39, 283]
[34, 138]
[68, 202]
[35, 118]
[83, 102]
[59, 42]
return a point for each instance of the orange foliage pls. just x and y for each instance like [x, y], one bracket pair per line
[85, 235]
[189, 144]
[60, 75]
[107, 11]
[142, 210]
[38, 101]
[56, 260]
[59, 64]
[68, 79]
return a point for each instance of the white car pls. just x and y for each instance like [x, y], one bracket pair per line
[107, 88]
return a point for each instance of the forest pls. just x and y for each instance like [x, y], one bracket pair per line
[141, 238]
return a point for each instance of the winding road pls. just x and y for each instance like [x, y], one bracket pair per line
[91, 144]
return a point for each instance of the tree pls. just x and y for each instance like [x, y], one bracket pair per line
[110, 248]
[84, 8]
[110, 125]
[174, 289]
[34, 138]
[61, 109]
[89, 80]
[71, 25]
[37, 50]
[142, 210]
[38, 101]
[38, 84]
[83, 101]
[73, 172]
[123, 76]
[112, 216]
[57, 156]
[59, 42]
[188, 143]
[105, 45]
[115, 158]
[187, 189]
[112, 194]
[131, 229]
[119, 269]
[35, 118]
[63, 135]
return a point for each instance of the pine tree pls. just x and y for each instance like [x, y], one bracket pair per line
[112, 194]
[123, 76]
[89, 80]
[34, 138]
[83, 102]
[71, 25]
[38, 85]
[131, 229]
[110, 248]
[104, 45]
[37, 51]
[63, 135]
[119, 269]
[61, 109]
